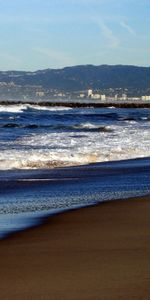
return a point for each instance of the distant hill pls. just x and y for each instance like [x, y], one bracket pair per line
[78, 78]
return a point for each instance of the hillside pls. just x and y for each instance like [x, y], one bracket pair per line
[78, 78]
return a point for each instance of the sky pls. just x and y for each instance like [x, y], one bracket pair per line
[41, 34]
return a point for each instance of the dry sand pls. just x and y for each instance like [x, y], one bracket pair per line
[100, 252]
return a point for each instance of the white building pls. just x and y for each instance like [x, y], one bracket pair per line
[90, 93]
[124, 97]
[81, 95]
[60, 95]
[145, 98]
[103, 97]
[96, 96]
[40, 94]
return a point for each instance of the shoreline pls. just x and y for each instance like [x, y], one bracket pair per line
[42, 219]
[97, 252]
[59, 190]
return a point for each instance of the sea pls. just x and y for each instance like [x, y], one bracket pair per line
[54, 159]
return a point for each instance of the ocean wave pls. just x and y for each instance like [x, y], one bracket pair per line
[76, 127]
[34, 164]
[65, 159]
[92, 127]
[10, 125]
[54, 108]
[19, 108]
[46, 140]
[13, 108]
[87, 125]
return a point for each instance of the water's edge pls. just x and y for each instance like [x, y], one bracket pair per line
[29, 197]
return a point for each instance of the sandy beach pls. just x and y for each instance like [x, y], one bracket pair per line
[100, 252]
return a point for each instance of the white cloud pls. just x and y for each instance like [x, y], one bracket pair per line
[127, 27]
[112, 39]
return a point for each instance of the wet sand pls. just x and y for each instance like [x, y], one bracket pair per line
[94, 253]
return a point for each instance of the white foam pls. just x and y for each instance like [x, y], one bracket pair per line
[130, 141]
[125, 140]
[87, 126]
[15, 108]
[55, 108]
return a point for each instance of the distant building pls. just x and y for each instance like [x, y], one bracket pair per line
[60, 94]
[96, 96]
[135, 98]
[145, 98]
[103, 97]
[81, 95]
[124, 97]
[90, 93]
[40, 94]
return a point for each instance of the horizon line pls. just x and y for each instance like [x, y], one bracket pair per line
[73, 66]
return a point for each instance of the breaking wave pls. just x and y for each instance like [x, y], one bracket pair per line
[18, 108]
[76, 127]
[35, 137]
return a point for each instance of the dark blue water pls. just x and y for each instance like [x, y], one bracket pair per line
[36, 137]
[33, 140]
[27, 196]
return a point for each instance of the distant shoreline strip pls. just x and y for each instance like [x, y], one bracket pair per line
[76, 104]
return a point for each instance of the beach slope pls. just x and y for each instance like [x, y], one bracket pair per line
[100, 252]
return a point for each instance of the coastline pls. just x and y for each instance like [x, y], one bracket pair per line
[27, 197]
[74, 103]
[97, 252]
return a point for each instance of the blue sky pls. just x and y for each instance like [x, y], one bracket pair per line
[39, 34]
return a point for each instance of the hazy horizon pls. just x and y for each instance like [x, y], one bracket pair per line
[72, 66]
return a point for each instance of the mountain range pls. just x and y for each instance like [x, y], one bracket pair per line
[83, 77]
